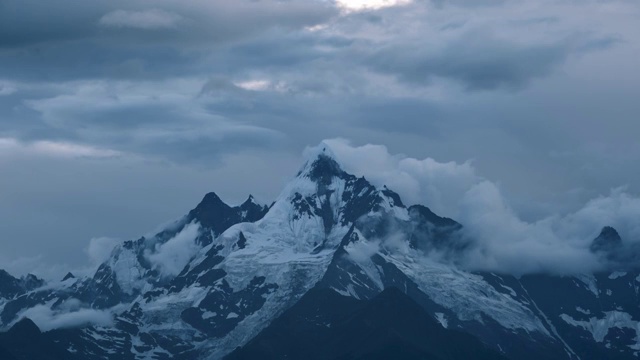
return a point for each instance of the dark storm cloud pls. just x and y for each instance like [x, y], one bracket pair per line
[29, 22]
[24, 23]
[478, 61]
[71, 39]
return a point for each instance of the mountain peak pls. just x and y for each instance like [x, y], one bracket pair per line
[25, 327]
[251, 210]
[250, 201]
[322, 150]
[321, 164]
[211, 199]
[608, 240]
[210, 211]
[68, 276]
[30, 282]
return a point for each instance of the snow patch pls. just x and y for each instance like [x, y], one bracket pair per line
[590, 282]
[581, 310]
[232, 315]
[465, 294]
[510, 290]
[127, 270]
[617, 274]
[442, 320]
[599, 328]
[209, 315]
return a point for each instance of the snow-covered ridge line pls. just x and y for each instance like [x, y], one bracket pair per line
[211, 281]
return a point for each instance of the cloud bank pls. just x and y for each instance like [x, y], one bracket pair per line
[502, 240]
[69, 315]
[172, 256]
[100, 249]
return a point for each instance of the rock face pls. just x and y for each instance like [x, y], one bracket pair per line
[218, 277]
[24, 341]
[325, 325]
[608, 240]
[11, 287]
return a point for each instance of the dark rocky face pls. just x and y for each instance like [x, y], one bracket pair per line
[9, 285]
[325, 325]
[324, 168]
[25, 341]
[608, 240]
[68, 276]
[213, 214]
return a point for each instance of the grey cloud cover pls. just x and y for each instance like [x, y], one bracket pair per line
[181, 98]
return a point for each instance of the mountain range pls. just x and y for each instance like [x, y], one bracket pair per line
[335, 268]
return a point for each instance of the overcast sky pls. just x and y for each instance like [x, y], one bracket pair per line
[118, 116]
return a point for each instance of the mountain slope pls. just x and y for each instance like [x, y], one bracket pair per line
[326, 325]
[24, 341]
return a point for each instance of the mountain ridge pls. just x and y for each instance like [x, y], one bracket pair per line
[217, 277]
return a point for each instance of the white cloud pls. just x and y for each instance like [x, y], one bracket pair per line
[440, 186]
[359, 5]
[68, 316]
[7, 144]
[147, 19]
[255, 85]
[7, 89]
[20, 266]
[66, 149]
[100, 249]
[361, 251]
[505, 243]
[59, 149]
[171, 257]
[502, 241]
[38, 266]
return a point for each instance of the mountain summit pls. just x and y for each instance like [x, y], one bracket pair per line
[607, 241]
[321, 165]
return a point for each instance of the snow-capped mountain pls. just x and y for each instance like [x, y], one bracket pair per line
[216, 278]
[11, 286]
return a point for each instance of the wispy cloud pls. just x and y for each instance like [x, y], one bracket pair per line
[68, 315]
[147, 19]
[54, 148]
[172, 256]
[360, 5]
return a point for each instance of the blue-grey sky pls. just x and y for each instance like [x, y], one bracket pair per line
[118, 116]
